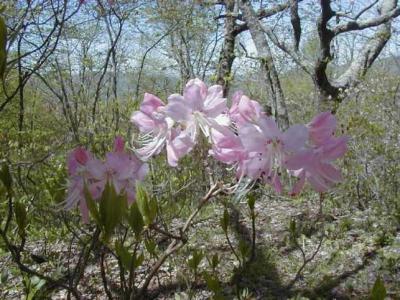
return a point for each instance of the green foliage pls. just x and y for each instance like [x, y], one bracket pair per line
[378, 291]
[195, 260]
[3, 46]
[213, 285]
[21, 218]
[225, 221]
[110, 210]
[5, 176]
[33, 286]
[146, 204]
[135, 220]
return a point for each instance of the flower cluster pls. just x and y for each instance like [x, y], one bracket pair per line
[120, 168]
[242, 135]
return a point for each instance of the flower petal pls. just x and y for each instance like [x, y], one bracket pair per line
[178, 111]
[150, 104]
[295, 137]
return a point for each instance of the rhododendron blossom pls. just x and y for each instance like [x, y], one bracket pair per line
[154, 125]
[177, 124]
[198, 108]
[315, 163]
[121, 169]
[242, 136]
[244, 110]
[268, 147]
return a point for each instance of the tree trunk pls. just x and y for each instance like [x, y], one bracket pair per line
[274, 89]
[227, 54]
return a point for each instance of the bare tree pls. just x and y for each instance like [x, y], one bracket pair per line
[274, 88]
[330, 90]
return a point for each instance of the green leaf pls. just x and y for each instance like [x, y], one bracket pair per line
[138, 261]
[3, 46]
[292, 226]
[214, 261]
[251, 200]
[244, 248]
[92, 206]
[4, 276]
[151, 247]
[196, 259]
[5, 177]
[378, 291]
[135, 220]
[112, 209]
[212, 283]
[124, 255]
[146, 205]
[21, 218]
[225, 221]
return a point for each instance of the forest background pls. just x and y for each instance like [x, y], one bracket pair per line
[72, 73]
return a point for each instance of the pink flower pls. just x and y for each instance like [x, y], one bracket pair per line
[268, 148]
[226, 146]
[244, 110]
[200, 108]
[77, 170]
[322, 127]
[121, 169]
[314, 166]
[315, 163]
[154, 125]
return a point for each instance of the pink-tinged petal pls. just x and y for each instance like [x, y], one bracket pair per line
[322, 127]
[131, 195]
[269, 127]
[178, 111]
[250, 110]
[144, 122]
[276, 183]
[227, 146]
[178, 146]
[119, 165]
[142, 172]
[298, 186]
[236, 97]
[252, 139]
[81, 155]
[96, 188]
[75, 192]
[330, 173]
[84, 211]
[299, 160]
[295, 137]
[150, 104]
[334, 148]
[318, 184]
[119, 144]
[152, 148]
[193, 97]
[224, 137]
[72, 165]
[119, 185]
[96, 168]
[214, 103]
[202, 86]
[255, 166]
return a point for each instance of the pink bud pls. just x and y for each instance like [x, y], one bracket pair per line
[119, 144]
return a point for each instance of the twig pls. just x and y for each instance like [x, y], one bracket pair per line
[176, 244]
[103, 275]
[305, 262]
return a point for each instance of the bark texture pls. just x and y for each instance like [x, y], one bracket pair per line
[274, 89]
